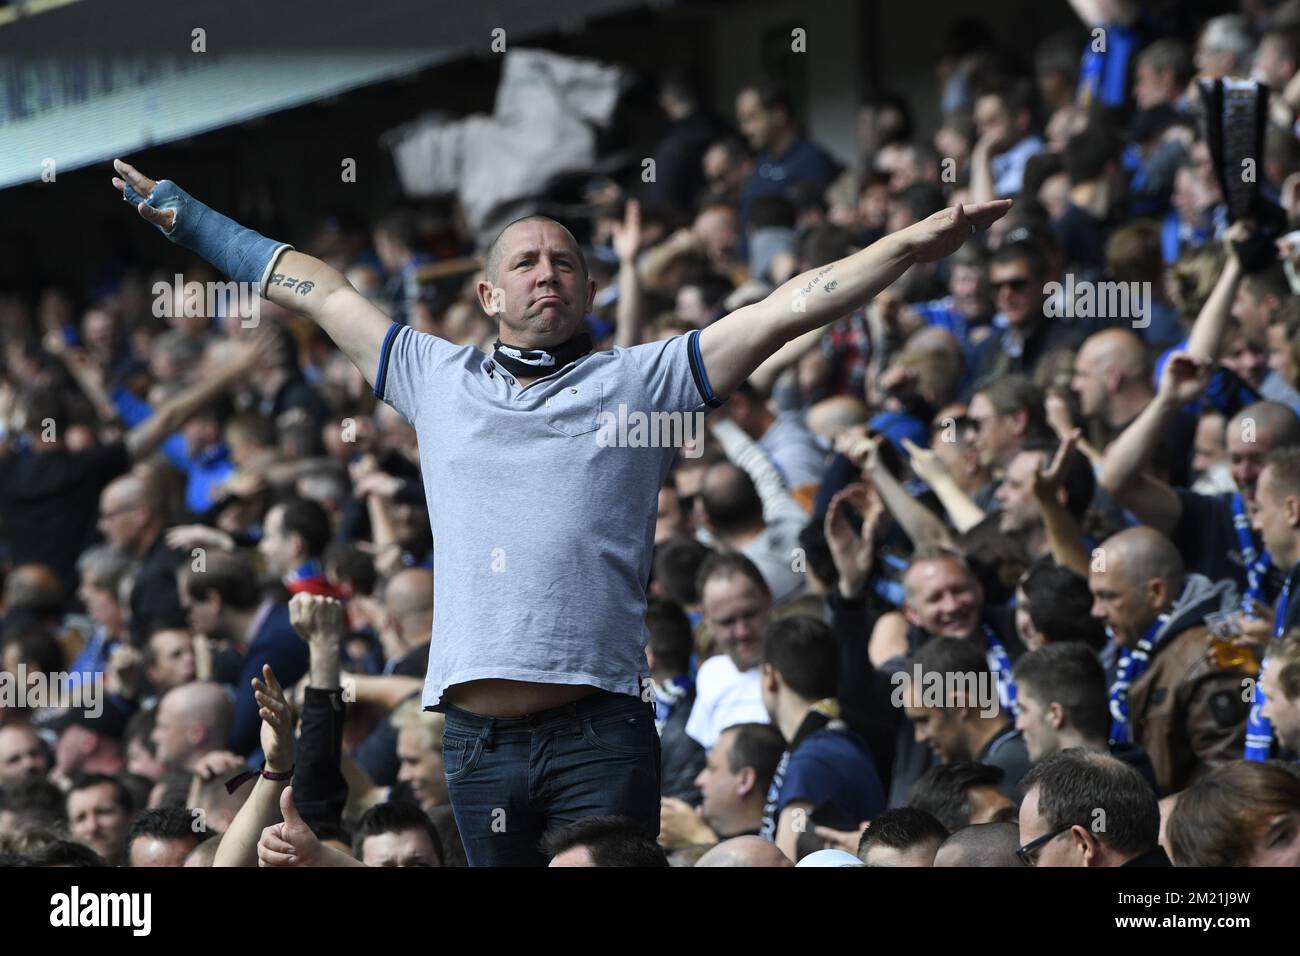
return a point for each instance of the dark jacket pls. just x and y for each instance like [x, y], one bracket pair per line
[1185, 712]
[319, 790]
[1048, 335]
[1291, 616]
[681, 758]
[155, 601]
[1007, 752]
[275, 643]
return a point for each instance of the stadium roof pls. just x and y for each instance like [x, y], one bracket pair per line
[83, 82]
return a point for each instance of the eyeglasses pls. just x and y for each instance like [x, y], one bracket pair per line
[1015, 285]
[1027, 853]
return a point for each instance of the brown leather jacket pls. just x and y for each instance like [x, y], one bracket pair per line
[1187, 714]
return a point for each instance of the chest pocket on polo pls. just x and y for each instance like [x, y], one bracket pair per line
[575, 409]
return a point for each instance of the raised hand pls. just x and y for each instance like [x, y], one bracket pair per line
[277, 721]
[290, 843]
[217, 763]
[125, 666]
[627, 234]
[947, 230]
[316, 618]
[1047, 480]
[865, 454]
[846, 438]
[142, 184]
[1185, 377]
[1059, 417]
[260, 345]
[244, 484]
[378, 483]
[926, 463]
[851, 552]
[203, 656]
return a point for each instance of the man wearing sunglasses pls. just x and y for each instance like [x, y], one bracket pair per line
[1018, 277]
[1088, 809]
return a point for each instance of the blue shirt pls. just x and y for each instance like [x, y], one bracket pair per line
[803, 162]
[204, 471]
[832, 769]
[1103, 76]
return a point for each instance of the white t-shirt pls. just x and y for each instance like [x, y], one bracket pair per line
[724, 696]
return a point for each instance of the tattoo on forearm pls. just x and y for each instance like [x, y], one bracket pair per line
[300, 286]
[816, 280]
[830, 286]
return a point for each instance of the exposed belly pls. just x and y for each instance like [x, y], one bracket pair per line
[493, 697]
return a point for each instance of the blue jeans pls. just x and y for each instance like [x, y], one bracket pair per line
[511, 779]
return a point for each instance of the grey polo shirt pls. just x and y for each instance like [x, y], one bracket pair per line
[542, 506]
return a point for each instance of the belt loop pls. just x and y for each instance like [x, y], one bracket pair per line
[488, 732]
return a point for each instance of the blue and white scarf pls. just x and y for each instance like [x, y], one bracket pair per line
[1132, 665]
[1258, 562]
[1000, 664]
[668, 695]
[1259, 730]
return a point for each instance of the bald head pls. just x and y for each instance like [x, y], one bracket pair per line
[409, 598]
[193, 719]
[410, 590]
[496, 253]
[832, 415]
[200, 700]
[1120, 349]
[1110, 376]
[1142, 554]
[983, 844]
[744, 851]
[1274, 424]
[131, 489]
[129, 514]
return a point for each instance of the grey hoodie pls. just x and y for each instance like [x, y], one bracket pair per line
[1200, 597]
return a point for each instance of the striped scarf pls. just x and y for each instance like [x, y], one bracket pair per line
[1259, 731]
[1000, 664]
[1258, 562]
[1132, 665]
